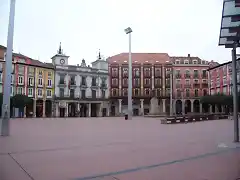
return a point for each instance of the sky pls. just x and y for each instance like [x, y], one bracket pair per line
[85, 26]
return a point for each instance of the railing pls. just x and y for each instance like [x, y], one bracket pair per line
[187, 85]
[178, 85]
[187, 75]
[178, 76]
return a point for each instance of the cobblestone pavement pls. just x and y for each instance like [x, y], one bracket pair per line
[112, 148]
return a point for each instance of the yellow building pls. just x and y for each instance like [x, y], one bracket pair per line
[44, 89]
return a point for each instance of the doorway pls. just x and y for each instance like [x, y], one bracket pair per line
[62, 112]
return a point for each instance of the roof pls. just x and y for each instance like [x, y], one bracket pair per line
[2, 47]
[219, 65]
[140, 58]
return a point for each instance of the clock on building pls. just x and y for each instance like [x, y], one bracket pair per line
[62, 61]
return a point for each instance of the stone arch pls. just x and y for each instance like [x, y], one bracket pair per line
[196, 106]
[178, 106]
[188, 106]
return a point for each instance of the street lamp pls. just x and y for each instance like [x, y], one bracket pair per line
[4, 122]
[129, 31]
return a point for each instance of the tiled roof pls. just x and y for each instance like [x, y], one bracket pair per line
[2, 47]
[152, 58]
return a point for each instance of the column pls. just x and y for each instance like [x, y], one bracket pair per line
[57, 110]
[201, 108]
[210, 109]
[142, 107]
[34, 107]
[120, 106]
[78, 107]
[89, 110]
[164, 105]
[108, 109]
[183, 106]
[44, 108]
[100, 110]
[192, 108]
[66, 110]
[25, 110]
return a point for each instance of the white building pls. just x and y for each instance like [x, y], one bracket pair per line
[80, 90]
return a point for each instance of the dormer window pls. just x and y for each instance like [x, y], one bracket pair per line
[186, 62]
[177, 62]
[195, 62]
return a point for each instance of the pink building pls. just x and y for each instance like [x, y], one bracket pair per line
[190, 82]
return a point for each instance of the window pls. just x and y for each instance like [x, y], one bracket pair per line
[205, 92]
[218, 82]
[136, 92]
[147, 81]
[49, 83]
[187, 82]
[179, 93]
[186, 62]
[187, 92]
[114, 92]
[61, 92]
[40, 82]
[225, 90]
[31, 70]
[1, 77]
[224, 80]
[1, 66]
[204, 81]
[40, 94]
[115, 81]
[49, 74]
[196, 92]
[30, 81]
[158, 72]
[72, 93]
[147, 92]
[30, 92]
[12, 91]
[83, 92]
[103, 93]
[204, 73]
[195, 62]
[178, 73]
[94, 94]
[94, 81]
[20, 80]
[125, 72]
[147, 72]
[195, 73]
[136, 72]
[136, 82]
[40, 73]
[115, 72]
[158, 92]
[125, 92]
[177, 62]
[20, 69]
[19, 90]
[125, 82]
[187, 74]
[158, 81]
[178, 81]
[195, 81]
[84, 81]
[49, 93]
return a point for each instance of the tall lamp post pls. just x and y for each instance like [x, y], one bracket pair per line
[129, 31]
[4, 122]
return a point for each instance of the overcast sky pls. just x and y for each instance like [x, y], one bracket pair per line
[84, 26]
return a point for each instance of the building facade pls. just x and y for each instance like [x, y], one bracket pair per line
[221, 78]
[151, 78]
[80, 90]
[190, 82]
[32, 78]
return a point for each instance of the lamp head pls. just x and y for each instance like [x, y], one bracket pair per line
[128, 30]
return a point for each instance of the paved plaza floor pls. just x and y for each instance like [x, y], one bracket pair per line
[115, 149]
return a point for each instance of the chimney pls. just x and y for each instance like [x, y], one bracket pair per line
[188, 55]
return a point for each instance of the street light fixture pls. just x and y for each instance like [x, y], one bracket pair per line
[129, 31]
[4, 121]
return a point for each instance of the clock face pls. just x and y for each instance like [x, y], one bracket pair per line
[62, 61]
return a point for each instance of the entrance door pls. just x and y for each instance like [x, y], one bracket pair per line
[135, 112]
[112, 110]
[62, 112]
[104, 112]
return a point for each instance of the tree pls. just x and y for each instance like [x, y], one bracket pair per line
[20, 100]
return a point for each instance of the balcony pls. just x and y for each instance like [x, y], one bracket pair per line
[61, 83]
[147, 75]
[115, 85]
[204, 76]
[188, 76]
[124, 85]
[187, 85]
[168, 75]
[167, 85]
[136, 85]
[94, 85]
[178, 76]
[157, 85]
[72, 83]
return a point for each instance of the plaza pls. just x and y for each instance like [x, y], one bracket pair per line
[111, 148]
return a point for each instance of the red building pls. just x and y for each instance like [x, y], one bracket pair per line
[151, 77]
[190, 82]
